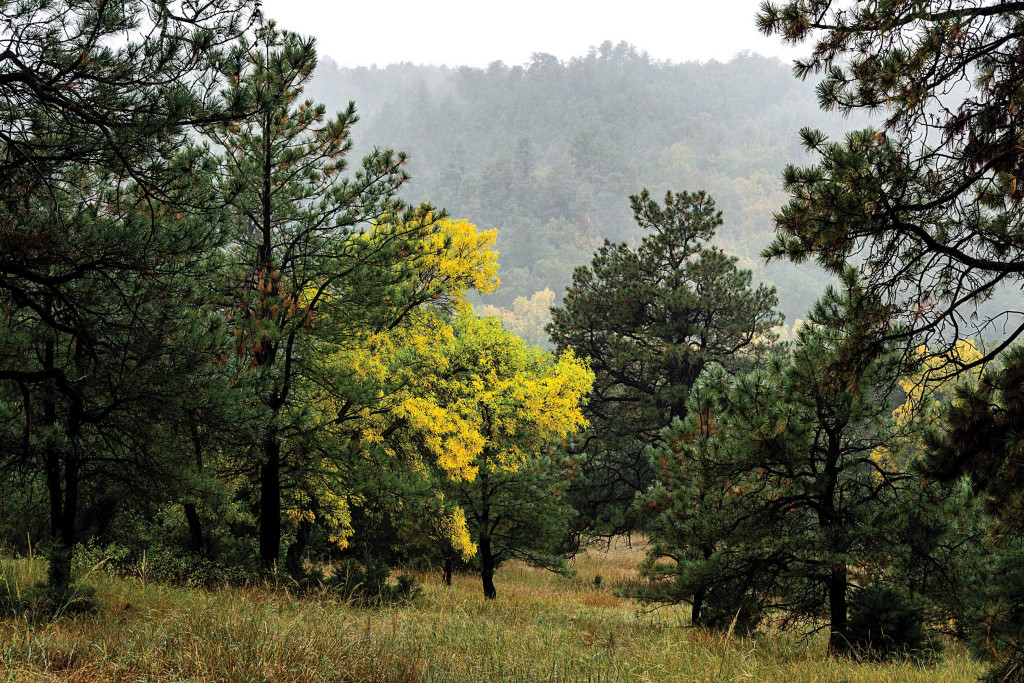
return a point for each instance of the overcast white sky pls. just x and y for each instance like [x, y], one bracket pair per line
[478, 32]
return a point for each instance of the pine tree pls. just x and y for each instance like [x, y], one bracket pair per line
[517, 512]
[981, 435]
[979, 442]
[322, 257]
[85, 84]
[108, 226]
[928, 204]
[768, 490]
[105, 356]
[650, 320]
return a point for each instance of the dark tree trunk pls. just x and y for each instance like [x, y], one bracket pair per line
[699, 596]
[63, 506]
[196, 542]
[448, 565]
[829, 518]
[487, 562]
[99, 517]
[62, 489]
[270, 500]
[293, 557]
[487, 567]
[837, 641]
[697, 611]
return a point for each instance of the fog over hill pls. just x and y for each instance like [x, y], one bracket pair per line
[548, 152]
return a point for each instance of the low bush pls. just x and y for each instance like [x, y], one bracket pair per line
[162, 564]
[41, 600]
[368, 583]
[885, 622]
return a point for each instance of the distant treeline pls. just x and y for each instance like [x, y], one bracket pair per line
[547, 151]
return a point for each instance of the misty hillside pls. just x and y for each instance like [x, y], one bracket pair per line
[548, 152]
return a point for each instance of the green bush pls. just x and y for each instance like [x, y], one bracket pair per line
[45, 601]
[368, 583]
[739, 613]
[41, 600]
[158, 563]
[885, 622]
[1010, 670]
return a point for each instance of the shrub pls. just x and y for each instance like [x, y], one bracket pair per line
[885, 622]
[1010, 670]
[40, 600]
[730, 609]
[368, 584]
[44, 601]
[158, 563]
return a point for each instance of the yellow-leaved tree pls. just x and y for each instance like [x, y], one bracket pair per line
[523, 403]
[528, 317]
[334, 445]
[463, 420]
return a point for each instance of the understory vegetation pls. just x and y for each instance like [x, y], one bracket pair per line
[545, 628]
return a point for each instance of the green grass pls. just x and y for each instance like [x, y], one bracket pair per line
[543, 627]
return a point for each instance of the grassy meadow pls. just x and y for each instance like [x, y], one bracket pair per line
[543, 627]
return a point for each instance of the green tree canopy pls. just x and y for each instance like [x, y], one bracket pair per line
[651, 319]
[109, 233]
[929, 203]
[769, 490]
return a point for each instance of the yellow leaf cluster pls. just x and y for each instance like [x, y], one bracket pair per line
[453, 530]
[453, 439]
[929, 387]
[460, 257]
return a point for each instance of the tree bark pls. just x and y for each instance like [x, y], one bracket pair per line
[697, 610]
[62, 488]
[837, 641]
[487, 562]
[270, 500]
[63, 506]
[487, 567]
[293, 557]
[699, 595]
[196, 541]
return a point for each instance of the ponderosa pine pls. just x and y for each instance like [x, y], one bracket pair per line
[651, 319]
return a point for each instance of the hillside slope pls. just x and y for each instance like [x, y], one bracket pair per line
[548, 152]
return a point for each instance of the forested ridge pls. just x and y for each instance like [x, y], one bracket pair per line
[548, 151]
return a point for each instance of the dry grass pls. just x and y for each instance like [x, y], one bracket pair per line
[542, 628]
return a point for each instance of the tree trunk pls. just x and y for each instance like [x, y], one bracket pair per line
[448, 565]
[837, 641]
[487, 563]
[62, 489]
[697, 611]
[487, 567]
[699, 595]
[270, 500]
[196, 542]
[63, 494]
[63, 506]
[293, 557]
